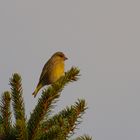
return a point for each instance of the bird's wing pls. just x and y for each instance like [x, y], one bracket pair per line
[45, 70]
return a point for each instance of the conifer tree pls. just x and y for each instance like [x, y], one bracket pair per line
[41, 125]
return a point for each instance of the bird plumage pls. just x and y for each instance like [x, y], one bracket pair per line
[52, 71]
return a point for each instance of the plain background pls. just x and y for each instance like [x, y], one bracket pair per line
[101, 37]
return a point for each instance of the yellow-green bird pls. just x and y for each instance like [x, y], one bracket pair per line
[52, 71]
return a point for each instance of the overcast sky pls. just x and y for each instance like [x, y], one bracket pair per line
[101, 37]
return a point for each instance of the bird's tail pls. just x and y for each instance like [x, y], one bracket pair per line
[39, 86]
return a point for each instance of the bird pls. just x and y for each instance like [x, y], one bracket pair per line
[52, 71]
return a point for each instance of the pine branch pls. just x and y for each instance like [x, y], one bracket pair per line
[67, 120]
[1, 124]
[18, 106]
[5, 112]
[47, 100]
[54, 133]
[85, 137]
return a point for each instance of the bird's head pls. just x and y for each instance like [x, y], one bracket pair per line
[59, 55]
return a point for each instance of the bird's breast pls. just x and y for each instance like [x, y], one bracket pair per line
[57, 71]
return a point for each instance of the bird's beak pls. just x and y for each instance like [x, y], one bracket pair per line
[65, 58]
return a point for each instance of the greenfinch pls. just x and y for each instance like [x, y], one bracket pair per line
[52, 71]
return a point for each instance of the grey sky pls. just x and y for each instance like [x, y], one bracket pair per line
[101, 37]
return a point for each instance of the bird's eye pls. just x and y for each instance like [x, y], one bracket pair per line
[61, 55]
